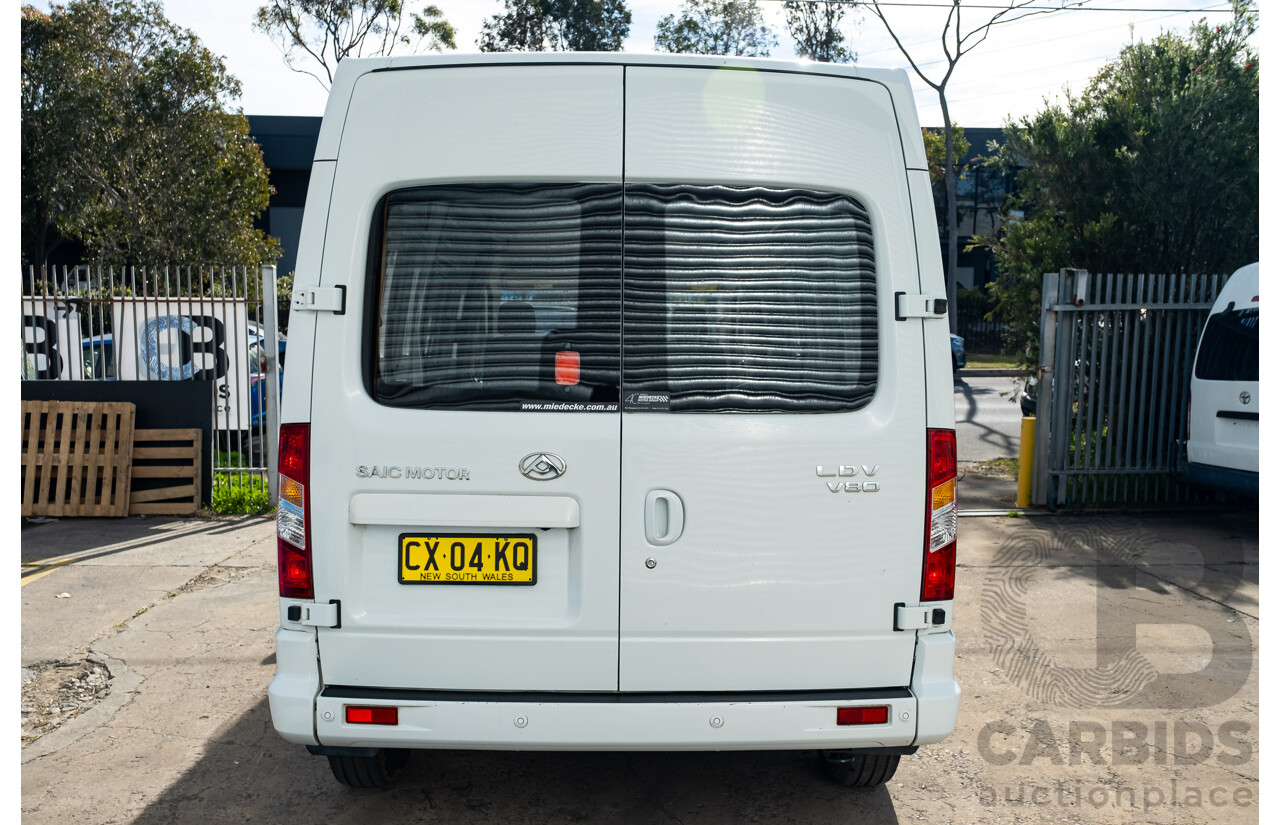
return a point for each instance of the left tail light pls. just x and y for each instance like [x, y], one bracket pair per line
[293, 513]
[938, 582]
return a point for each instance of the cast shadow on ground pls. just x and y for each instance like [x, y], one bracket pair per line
[249, 774]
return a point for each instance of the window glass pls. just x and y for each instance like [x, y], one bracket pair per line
[1229, 348]
[747, 299]
[500, 297]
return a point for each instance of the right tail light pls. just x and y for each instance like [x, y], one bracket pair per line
[938, 582]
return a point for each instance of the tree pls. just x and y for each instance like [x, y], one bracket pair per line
[935, 152]
[1153, 168]
[815, 26]
[126, 145]
[729, 27]
[956, 43]
[557, 26]
[326, 31]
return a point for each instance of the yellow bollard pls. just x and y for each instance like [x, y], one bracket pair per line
[1026, 458]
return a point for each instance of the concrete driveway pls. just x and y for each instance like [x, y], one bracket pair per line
[1109, 668]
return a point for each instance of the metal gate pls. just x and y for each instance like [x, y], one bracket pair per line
[1116, 353]
[168, 324]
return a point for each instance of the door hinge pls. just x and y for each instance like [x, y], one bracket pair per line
[317, 615]
[919, 306]
[321, 299]
[917, 617]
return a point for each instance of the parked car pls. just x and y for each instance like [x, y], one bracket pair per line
[957, 352]
[1027, 397]
[1221, 448]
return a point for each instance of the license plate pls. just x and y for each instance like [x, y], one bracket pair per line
[468, 558]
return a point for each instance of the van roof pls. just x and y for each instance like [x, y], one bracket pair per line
[1241, 289]
[349, 70]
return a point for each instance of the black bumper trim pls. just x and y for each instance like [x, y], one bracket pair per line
[615, 698]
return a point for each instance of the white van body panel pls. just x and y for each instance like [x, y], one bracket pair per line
[1223, 426]
[799, 594]
[774, 584]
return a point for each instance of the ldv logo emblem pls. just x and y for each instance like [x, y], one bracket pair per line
[542, 466]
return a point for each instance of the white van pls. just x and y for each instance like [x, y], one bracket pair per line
[618, 416]
[1222, 419]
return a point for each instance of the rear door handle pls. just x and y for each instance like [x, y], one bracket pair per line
[663, 517]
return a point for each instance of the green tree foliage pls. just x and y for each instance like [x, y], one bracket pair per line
[126, 145]
[326, 31]
[935, 152]
[815, 26]
[1153, 168]
[728, 27]
[557, 26]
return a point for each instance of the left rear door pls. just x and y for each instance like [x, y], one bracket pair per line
[469, 394]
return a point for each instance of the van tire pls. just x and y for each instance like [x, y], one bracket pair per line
[859, 770]
[376, 771]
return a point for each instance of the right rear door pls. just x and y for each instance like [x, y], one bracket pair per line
[773, 437]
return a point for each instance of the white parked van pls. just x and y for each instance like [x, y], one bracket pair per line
[1222, 425]
[618, 416]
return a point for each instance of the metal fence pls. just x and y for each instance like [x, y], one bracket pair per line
[1116, 357]
[980, 334]
[168, 324]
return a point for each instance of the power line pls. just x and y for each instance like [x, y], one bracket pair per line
[1077, 6]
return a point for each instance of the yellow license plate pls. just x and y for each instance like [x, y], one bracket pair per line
[468, 558]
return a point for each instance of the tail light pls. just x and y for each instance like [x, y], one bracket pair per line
[293, 515]
[939, 579]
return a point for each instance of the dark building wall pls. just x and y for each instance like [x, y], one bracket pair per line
[288, 148]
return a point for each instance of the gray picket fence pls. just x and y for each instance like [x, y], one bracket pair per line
[1116, 357]
[168, 324]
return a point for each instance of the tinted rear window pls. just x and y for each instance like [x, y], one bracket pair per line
[728, 299]
[748, 299]
[1229, 348]
[500, 296]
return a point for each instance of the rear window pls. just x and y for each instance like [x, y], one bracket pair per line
[748, 299]
[500, 297]
[727, 299]
[1229, 348]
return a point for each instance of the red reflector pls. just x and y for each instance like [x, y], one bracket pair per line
[373, 716]
[942, 456]
[939, 575]
[295, 571]
[876, 715]
[568, 367]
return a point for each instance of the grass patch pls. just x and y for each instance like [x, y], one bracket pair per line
[240, 494]
[1007, 467]
[990, 361]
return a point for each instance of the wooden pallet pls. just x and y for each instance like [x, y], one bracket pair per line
[168, 455]
[76, 458]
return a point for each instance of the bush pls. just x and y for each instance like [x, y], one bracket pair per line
[240, 494]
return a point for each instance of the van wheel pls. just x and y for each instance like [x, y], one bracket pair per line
[369, 771]
[859, 770]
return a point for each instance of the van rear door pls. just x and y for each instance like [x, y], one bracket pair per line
[465, 423]
[774, 437]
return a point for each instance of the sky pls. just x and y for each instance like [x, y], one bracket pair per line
[1020, 65]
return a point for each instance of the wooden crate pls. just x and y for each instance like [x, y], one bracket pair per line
[76, 458]
[166, 472]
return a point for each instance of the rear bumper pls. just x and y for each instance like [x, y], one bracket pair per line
[920, 714]
[1212, 475]
[1225, 477]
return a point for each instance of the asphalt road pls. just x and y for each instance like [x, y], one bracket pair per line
[988, 419]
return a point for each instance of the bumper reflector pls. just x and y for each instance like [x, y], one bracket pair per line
[372, 715]
[874, 715]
